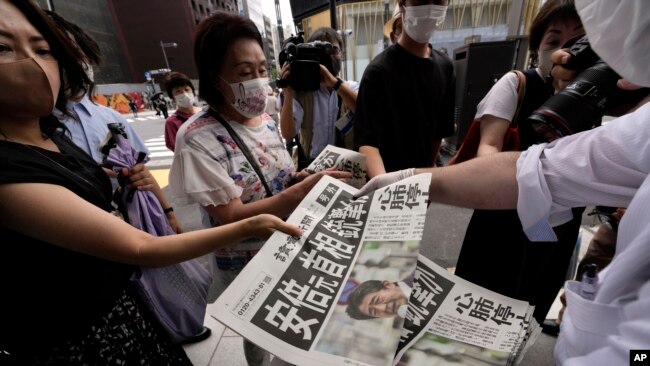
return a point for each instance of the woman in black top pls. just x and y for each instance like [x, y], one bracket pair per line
[73, 303]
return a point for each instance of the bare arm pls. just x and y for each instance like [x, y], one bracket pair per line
[487, 182]
[374, 162]
[348, 96]
[287, 126]
[36, 210]
[493, 129]
[280, 205]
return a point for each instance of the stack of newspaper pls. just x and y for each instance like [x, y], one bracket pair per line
[353, 290]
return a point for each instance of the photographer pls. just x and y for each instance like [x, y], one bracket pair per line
[608, 166]
[313, 114]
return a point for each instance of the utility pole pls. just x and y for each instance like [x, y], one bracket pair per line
[278, 16]
[333, 23]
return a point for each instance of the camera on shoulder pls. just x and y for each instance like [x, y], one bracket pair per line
[304, 60]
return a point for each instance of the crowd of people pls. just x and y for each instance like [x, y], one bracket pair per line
[58, 186]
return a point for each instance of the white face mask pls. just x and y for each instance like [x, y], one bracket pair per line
[250, 96]
[419, 22]
[544, 61]
[184, 100]
[618, 32]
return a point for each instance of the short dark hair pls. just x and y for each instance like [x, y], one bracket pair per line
[176, 79]
[551, 12]
[68, 56]
[212, 39]
[326, 34]
[356, 297]
[84, 41]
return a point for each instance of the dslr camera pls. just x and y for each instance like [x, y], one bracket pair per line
[582, 104]
[304, 60]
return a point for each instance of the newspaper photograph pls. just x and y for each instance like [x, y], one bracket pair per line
[343, 159]
[450, 320]
[338, 295]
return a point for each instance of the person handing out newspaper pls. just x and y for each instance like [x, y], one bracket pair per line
[606, 166]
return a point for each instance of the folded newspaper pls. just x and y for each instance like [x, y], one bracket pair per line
[340, 294]
[343, 159]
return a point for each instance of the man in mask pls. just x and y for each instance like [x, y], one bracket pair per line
[609, 165]
[407, 95]
[313, 115]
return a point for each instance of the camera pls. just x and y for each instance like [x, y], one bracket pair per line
[304, 60]
[582, 104]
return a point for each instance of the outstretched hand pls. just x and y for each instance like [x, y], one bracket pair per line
[264, 225]
[384, 180]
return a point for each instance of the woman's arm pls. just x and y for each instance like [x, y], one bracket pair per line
[374, 162]
[58, 216]
[493, 130]
[281, 205]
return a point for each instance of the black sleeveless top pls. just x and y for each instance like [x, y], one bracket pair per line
[51, 293]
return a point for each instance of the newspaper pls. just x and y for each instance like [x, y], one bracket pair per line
[342, 159]
[353, 291]
[301, 299]
[452, 320]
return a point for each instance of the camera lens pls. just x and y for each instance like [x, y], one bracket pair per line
[579, 106]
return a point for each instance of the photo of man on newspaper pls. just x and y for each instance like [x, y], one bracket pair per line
[373, 306]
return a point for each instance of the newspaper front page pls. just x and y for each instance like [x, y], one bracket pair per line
[452, 320]
[337, 295]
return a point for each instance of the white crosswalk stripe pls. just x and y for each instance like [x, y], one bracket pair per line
[159, 155]
[130, 120]
[152, 117]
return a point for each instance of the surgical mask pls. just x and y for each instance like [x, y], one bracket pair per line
[421, 21]
[618, 32]
[544, 61]
[184, 100]
[30, 87]
[250, 96]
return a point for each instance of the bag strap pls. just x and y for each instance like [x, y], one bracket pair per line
[521, 91]
[244, 149]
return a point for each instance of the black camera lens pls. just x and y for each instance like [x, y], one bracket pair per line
[578, 107]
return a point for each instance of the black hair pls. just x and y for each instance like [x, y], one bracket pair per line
[552, 11]
[326, 34]
[67, 55]
[176, 79]
[213, 37]
[356, 297]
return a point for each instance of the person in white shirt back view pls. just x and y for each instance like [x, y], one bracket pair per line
[607, 166]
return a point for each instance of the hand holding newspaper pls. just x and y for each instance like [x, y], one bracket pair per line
[342, 159]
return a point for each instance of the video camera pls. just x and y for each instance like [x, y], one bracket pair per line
[304, 60]
[582, 104]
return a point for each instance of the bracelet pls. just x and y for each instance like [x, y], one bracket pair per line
[168, 210]
[338, 84]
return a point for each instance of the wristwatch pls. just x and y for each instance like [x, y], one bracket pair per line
[168, 210]
[338, 84]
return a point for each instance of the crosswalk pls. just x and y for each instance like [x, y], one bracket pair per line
[160, 156]
[131, 120]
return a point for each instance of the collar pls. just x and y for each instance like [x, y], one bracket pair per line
[406, 289]
[84, 102]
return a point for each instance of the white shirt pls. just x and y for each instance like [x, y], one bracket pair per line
[606, 166]
[501, 100]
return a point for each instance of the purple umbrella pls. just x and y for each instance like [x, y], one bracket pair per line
[140, 208]
[176, 294]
